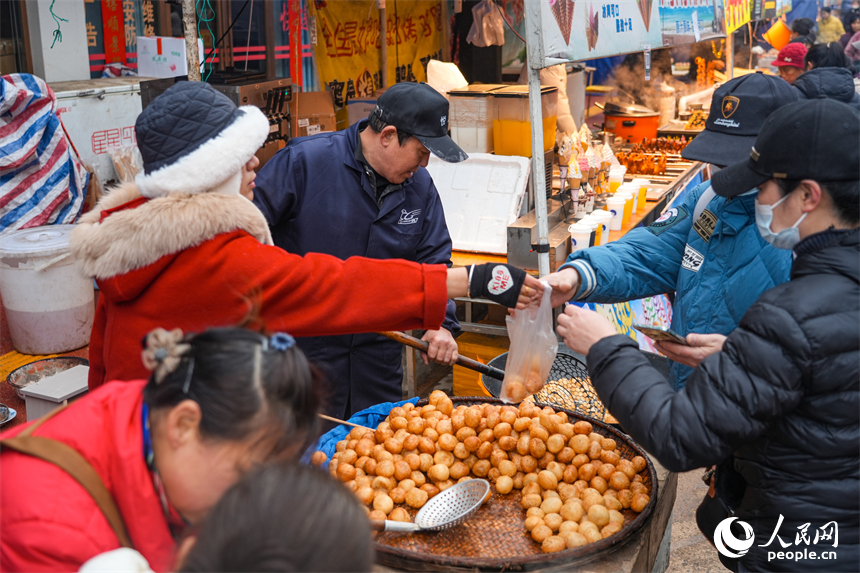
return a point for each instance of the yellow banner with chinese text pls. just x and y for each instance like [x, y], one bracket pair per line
[737, 14]
[348, 50]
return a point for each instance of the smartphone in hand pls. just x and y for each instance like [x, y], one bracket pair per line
[661, 333]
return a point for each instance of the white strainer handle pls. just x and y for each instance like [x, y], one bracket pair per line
[401, 526]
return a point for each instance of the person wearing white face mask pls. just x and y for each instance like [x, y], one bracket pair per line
[778, 408]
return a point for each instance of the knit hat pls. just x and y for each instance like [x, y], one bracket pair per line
[193, 139]
[791, 55]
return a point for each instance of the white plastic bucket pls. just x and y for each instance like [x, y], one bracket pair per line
[48, 302]
[604, 218]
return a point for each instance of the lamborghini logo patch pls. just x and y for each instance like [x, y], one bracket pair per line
[705, 225]
[730, 106]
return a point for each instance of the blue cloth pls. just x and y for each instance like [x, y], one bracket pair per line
[318, 198]
[604, 69]
[715, 280]
[371, 418]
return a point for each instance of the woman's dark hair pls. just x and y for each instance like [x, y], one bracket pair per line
[245, 387]
[803, 27]
[284, 517]
[854, 17]
[845, 196]
[829, 55]
[377, 124]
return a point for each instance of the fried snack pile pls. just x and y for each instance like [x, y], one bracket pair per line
[574, 483]
[639, 163]
[660, 144]
[696, 121]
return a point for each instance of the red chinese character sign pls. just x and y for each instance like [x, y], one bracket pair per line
[349, 45]
[113, 20]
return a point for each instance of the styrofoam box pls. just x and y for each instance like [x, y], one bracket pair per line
[481, 197]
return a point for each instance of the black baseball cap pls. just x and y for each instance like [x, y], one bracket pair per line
[811, 139]
[738, 110]
[421, 111]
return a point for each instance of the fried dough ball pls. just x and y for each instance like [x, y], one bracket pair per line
[580, 459]
[582, 427]
[535, 511]
[553, 544]
[431, 489]
[557, 469]
[481, 468]
[640, 500]
[444, 427]
[566, 491]
[443, 485]
[619, 481]
[484, 450]
[625, 496]
[444, 458]
[419, 478]
[605, 471]
[612, 502]
[447, 442]
[523, 444]
[550, 493]
[566, 430]
[568, 527]
[572, 511]
[507, 468]
[566, 455]
[586, 472]
[531, 500]
[537, 447]
[592, 535]
[426, 446]
[576, 539]
[616, 516]
[318, 459]
[532, 522]
[515, 391]
[504, 485]
[377, 515]
[638, 487]
[439, 472]
[382, 502]
[626, 467]
[534, 383]
[532, 486]
[541, 532]
[610, 457]
[579, 443]
[536, 430]
[599, 484]
[445, 406]
[345, 472]
[594, 451]
[553, 521]
[598, 515]
[380, 483]
[397, 495]
[609, 529]
[639, 463]
[473, 416]
[547, 480]
[589, 499]
[431, 433]
[365, 495]
[551, 505]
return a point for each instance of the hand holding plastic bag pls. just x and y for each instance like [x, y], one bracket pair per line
[533, 350]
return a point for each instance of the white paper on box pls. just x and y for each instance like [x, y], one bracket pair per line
[163, 57]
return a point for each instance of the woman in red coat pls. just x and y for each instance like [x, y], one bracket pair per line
[216, 405]
[182, 248]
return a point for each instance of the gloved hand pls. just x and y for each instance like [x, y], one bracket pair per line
[497, 282]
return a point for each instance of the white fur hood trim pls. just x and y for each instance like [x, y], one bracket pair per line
[212, 164]
[135, 238]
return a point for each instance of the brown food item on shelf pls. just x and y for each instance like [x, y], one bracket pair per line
[574, 482]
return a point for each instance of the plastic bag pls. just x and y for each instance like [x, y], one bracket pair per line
[533, 350]
[488, 27]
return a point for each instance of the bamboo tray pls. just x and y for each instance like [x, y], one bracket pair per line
[495, 539]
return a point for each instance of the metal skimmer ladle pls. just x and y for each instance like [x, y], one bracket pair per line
[447, 509]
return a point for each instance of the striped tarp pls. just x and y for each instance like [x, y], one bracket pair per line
[42, 182]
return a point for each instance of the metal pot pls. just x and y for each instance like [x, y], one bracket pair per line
[631, 122]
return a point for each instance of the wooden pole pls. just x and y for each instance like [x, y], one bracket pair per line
[730, 56]
[189, 21]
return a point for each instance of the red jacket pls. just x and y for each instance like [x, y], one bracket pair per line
[196, 261]
[49, 522]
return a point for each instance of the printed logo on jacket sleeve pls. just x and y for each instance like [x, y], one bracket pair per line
[692, 260]
[500, 280]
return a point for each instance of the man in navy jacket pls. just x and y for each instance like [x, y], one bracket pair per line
[365, 192]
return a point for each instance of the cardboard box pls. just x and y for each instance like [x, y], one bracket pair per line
[480, 347]
[8, 65]
[312, 113]
[359, 109]
[163, 57]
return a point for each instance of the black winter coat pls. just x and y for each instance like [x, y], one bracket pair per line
[832, 83]
[779, 407]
